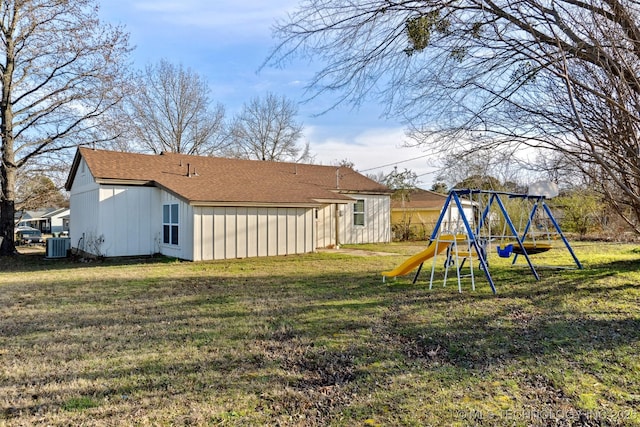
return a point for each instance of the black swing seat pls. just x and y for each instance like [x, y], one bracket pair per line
[532, 248]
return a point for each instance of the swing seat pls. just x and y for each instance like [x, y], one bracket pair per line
[506, 251]
[532, 248]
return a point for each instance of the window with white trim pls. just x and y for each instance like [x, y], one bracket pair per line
[358, 212]
[170, 224]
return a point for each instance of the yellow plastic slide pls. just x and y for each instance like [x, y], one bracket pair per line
[434, 248]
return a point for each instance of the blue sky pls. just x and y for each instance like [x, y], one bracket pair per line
[227, 42]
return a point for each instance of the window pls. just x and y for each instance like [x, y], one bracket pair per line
[170, 224]
[358, 212]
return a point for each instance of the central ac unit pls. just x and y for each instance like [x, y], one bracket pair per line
[57, 247]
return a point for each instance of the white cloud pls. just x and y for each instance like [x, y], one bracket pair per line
[232, 20]
[372, 151]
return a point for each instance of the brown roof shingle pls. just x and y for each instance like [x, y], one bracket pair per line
[222, 180]
[420, 199]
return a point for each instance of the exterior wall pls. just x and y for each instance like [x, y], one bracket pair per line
[84, 205]
[129, 220]
[377, 220]
[239, 232]
[185, 247]
[326, 226]
[113, 220]
[57, 223]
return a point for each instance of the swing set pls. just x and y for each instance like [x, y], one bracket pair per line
[469, 237]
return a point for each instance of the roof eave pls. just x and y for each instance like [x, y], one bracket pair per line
[369, 192]
[204, 203]
[74, 168]
[131, 182]
[337, 201]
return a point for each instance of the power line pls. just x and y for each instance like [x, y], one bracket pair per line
[395, 163]
[428, 173]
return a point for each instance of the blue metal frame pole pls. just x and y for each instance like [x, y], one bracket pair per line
[443, 212]
[515, 233]
[472, 236]
[564, 239]
[434, 233]
[532, 214]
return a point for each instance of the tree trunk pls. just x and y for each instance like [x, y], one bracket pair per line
[7, 192]
[7, 228]
[8, 167]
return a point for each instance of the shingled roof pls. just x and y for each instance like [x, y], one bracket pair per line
[216, 180]
[420, 199]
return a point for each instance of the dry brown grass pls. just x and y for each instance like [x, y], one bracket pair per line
[316, 340]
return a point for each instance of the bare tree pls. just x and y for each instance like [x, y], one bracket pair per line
[485, 169]
[38, 191]
[170, 110]
[60, 70]
[473, 74]
[266, 129]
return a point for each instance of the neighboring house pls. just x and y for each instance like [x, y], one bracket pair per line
[49, 220]
[32, 218]
[58, 220]
[415, 215]
[203, 208]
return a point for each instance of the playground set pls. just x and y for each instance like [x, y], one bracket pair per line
[469, 237]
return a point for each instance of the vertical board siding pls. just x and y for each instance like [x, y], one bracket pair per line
[281, 216]
[230, 232]
[252, 243]
[206, 231]
[272, 231]
[377, 221]
[241, 233]
[292, 232]
[326, 228]
[122, 233]
[219, 233]
[262, 232]
[82, 220]
[84, 207]
[113, 220]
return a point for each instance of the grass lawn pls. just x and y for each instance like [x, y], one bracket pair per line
[319, 340]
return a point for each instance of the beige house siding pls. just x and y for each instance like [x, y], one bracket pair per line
[243, 232]
[377, 221]
[326, 226]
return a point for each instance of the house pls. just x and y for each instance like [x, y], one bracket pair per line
[415, 215]
[58, 220]
[48, 220]
[203, 208]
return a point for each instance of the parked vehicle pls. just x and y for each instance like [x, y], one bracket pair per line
[29, 236]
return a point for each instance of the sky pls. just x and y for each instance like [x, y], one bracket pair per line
[227, 42]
